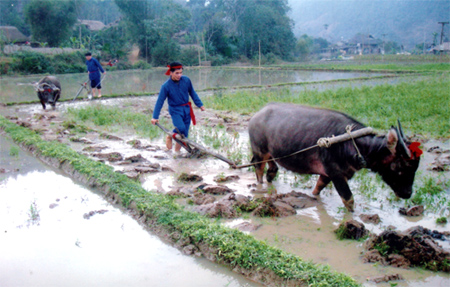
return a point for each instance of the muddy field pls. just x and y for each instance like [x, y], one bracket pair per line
[303, 225]
[57, 232]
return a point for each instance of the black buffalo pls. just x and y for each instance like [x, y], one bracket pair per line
[281, 129]
[48, 90]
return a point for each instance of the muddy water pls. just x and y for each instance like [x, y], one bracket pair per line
[48, 239]
[14, 89]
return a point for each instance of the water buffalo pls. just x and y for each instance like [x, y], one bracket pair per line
[48, 90]
[281, 129]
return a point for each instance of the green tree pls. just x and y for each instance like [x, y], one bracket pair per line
[392, 47]
[257, 22]
[12, 15]
[217, 40]
[151, 24]
[304, 47]
[51, 21]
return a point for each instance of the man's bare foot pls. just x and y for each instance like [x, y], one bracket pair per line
[177, 147]
[169, 142]
[99, 96]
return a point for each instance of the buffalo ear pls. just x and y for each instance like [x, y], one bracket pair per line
[395, 143]
[392, 140]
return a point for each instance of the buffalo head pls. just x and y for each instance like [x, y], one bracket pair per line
[400, 164]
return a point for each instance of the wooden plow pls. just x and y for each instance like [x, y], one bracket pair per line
[197, 148]
[322, 142]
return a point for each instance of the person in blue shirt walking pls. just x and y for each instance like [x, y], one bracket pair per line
[94, 68]
[177, 90]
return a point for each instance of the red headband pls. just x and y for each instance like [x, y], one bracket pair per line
[174, 67]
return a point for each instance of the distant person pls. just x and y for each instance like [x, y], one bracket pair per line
[177, 90]
[94, 68]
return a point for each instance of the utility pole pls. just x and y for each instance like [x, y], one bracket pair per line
[442, 31]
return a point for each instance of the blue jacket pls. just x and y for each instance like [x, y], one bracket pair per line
[93, 67]
[177, 94]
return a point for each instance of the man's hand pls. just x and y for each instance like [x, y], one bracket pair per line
[202, 108]
[154, 121]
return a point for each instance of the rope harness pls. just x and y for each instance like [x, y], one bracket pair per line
[325, 142]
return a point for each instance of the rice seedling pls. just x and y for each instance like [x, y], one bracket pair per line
[33, 213]
[441, 220]
[430, 192]
[14, 151]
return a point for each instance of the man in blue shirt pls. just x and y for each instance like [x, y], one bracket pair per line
[94, 68]
[177, 90]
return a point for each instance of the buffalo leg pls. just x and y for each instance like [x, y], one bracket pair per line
[43, 104]
[272, 171]
[259, 168]
[344, 191]
[321, 183]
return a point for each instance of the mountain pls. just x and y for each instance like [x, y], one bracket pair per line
[407, 22]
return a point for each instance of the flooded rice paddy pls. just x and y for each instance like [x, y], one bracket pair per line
[17, 89]
[308, 234]
[56, 232]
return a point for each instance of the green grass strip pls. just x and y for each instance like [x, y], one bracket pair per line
[422, 106]
[233, 247]
[375, 67]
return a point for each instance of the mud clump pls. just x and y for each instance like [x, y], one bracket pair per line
[351, 229]
[413, 211]
[94, 212]
[370, 218]
[111, 157]
[214, 189]
[222, 208]
[110, 137]
[283, 205]
[227, 207]
[387, 278]
[202, 198]
[221, 178]
[184, 177]
[415, 246]
[442, 161]
[136, 158]
[297, 200]
[271, 207]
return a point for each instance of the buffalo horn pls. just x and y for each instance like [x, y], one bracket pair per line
[400, 129]
[401, 142]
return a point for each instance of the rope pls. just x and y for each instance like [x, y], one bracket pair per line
[324, 142]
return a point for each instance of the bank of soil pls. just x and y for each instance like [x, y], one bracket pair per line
[284, 214]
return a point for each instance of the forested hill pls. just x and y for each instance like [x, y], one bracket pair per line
[402, 21]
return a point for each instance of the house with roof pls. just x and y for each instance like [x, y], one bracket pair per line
[12, 35]
[443, 48]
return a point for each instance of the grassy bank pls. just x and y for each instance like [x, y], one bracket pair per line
[228, 246]
[388, 63]
[421, 106]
